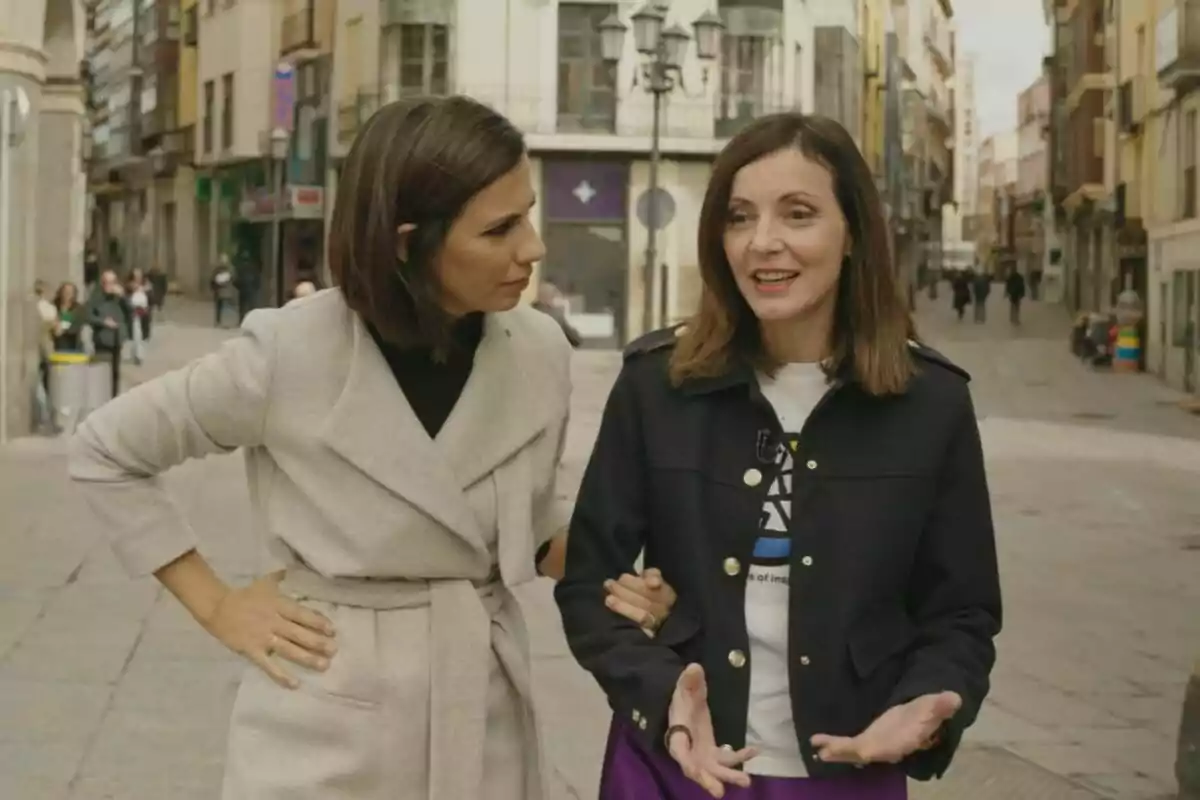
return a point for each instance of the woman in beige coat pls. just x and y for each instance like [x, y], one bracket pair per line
[401, 434]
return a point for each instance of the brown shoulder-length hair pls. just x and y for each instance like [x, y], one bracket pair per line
[872, 324]
[417, 161]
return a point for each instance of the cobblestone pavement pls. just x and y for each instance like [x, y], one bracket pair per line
[108, 690]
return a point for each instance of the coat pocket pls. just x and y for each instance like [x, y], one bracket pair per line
[302, 744]
[353, 677]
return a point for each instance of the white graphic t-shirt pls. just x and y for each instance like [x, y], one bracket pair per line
[793, 393]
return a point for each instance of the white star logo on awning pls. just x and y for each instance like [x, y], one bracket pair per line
[584, 192]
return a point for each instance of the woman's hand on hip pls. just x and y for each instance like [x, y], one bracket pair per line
[691, 741]
[898, 733]
[258, 622]
[646, 599]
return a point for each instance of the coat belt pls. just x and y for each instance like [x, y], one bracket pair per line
[461, 635]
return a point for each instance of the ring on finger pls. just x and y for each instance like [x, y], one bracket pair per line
[651, 622]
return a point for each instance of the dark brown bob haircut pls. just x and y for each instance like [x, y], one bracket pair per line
[419, 160]
[871, 326]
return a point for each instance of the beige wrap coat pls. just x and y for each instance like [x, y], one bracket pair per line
[420, 550]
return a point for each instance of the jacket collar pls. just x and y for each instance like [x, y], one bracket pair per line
[373, 427]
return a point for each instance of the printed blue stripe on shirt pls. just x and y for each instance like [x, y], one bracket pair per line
[772, 547]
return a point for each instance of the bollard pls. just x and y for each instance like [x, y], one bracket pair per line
[1187, 759]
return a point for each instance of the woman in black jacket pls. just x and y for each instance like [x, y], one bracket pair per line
[810, 481]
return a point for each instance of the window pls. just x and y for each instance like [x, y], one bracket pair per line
[587, 89]
[191, 28]
[227, 99]
[1187, 160]
[743, 82]
[206, 122]
[1183, 285]
[417, 58]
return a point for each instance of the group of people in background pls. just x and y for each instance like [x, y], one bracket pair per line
[972, 286]
[238, 288]
[109, 320]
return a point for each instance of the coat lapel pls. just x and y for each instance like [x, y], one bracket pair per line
[373, 427]
[502, 408]
[506, 403]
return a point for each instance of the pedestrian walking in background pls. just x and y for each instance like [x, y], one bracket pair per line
[91, 269]
[960, 287]
[159, 284]
[303, 289]
[138, 293]
[223, 291]
[247, 279]
[70, 316]
[550, 300]
[981, 287]
[387, 645]
[107, 315]
[47, 325]
[1035, 283]
[1014, 290]
[796, 405]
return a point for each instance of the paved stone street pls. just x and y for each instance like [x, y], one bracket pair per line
[108, 690]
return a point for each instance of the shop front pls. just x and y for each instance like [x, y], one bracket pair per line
[301, 236]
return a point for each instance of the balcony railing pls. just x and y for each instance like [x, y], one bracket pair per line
[299, 31]
[1178, 45]
[1085, 133]
[159, 121]
[417, 12]
[937, 39]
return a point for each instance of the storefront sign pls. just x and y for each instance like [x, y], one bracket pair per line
[585, 191]
[284, 99]
[299, 202]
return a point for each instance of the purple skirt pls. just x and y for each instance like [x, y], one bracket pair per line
[631, 772]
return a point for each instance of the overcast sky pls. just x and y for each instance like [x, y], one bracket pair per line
[1008, 39]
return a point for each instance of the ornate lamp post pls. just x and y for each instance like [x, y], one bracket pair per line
[664, 50]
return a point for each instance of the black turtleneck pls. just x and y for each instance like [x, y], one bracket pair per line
[432, 387]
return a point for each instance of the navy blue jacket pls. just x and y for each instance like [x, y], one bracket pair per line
[894, 591]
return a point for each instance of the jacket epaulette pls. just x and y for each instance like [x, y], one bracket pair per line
[927, 353]
[654, 340]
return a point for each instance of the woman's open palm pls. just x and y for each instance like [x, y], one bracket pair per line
[896, 734]
[696, 748]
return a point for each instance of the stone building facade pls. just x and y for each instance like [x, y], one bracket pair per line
[41, 49]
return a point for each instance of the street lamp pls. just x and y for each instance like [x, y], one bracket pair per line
[665, 50]
[279, 151]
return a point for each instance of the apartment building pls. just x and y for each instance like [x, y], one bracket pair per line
[1171, 32]
[41, 48]
[1029, 200]
[925, 39]
[873, 24]
[960, 221]
[838, 62]
[995, 230]
[1079, 91]
[139, 156]
[588, 123]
